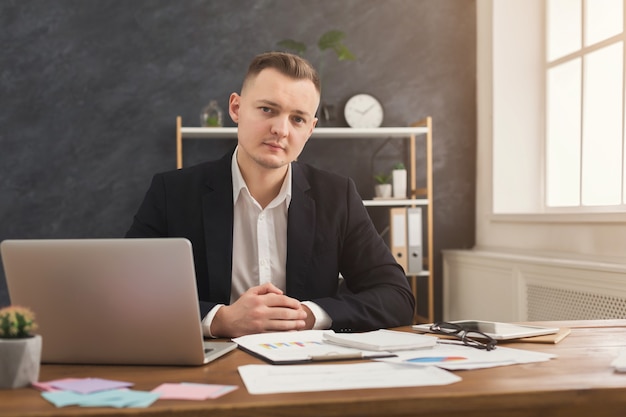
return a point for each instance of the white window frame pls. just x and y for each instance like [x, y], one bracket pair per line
[502, 27]
[581, 54]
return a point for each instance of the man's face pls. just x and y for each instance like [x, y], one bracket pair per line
[275, 116]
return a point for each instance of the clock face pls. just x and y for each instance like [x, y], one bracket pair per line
[363, 110]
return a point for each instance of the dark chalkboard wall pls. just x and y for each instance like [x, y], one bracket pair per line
[90, 90]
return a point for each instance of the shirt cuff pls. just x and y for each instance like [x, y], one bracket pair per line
[322, 319]
[208, 320]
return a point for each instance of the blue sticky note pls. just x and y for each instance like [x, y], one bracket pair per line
[114, 398]
[141, 399]
[62, 398]
[120, 399]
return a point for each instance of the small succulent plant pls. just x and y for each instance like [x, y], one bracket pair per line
[16, 322]
[382, 178]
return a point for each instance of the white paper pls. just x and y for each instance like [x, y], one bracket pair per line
[274, 379]
[619, 363]
[455, 357]
[385, 340]
[298, 346]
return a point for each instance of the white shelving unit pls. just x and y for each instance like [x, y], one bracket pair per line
[418, 196]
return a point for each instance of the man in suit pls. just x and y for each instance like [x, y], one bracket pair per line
[270, 235]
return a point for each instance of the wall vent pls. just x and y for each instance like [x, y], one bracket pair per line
[550, 303]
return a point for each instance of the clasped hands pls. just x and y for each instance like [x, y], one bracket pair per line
[261, 309]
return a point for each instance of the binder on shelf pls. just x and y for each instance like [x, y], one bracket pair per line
[414, 238]
[398, 238]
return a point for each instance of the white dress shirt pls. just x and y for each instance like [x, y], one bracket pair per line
[260, 244]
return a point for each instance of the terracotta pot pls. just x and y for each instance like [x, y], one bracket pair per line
[19, 361]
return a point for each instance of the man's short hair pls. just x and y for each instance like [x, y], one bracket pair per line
[293, 66]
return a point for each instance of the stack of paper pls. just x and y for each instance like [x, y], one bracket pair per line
[455, 357]
[302, 346]
[270, 379]
[381, 340]
[619, 363]
[417, 360]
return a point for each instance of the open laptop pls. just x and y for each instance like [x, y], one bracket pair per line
[111, 301]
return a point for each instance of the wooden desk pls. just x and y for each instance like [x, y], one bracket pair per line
[580, 382]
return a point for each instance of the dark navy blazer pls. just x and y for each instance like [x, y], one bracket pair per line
[329, 232]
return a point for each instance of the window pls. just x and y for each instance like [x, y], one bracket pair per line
[584, 75]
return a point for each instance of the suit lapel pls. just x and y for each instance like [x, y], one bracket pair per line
[217, 207]
[300, 233]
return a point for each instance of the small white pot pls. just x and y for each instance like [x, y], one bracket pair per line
[382, 190]
[19, 361]
[399, 183]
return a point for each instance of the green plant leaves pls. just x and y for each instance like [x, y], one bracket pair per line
[329, 40]
[382, 178]
[332, 40]
[292, 45]
[16, 322]
[343, 53]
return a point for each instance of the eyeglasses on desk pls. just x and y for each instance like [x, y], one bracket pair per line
[473, 338]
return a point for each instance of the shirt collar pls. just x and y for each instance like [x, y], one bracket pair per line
[239, 183]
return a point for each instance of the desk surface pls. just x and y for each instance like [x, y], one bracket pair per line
[580, 382]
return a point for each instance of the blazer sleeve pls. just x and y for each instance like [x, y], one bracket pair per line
[375, 292]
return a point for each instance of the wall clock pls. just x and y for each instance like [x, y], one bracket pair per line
[363, 110]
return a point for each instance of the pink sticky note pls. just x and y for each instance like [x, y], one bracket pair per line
[222, 390]
[48, 385]
[215, 391]
[181, 392]
[89, 385]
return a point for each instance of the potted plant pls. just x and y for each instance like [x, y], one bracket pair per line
[382, 189]
[211, 115]
[399, 180]
[20, 348]
[332, 39]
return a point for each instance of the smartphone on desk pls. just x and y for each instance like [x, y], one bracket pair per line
[496, 330]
